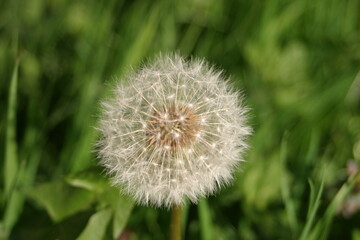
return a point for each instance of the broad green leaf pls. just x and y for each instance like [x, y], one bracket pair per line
[122, 208]
[61, 200]
[121, 215]
[96, 227]
[89, 179]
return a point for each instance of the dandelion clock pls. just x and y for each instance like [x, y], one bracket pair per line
[173, 130]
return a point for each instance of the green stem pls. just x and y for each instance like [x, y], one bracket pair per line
[175, 226]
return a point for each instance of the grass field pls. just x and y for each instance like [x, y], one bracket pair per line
[297, 62]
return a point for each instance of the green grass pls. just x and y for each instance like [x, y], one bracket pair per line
[297, 62]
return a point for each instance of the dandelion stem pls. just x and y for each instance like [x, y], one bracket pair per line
[175, 225]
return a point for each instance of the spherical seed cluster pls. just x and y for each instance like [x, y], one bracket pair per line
[172, 127]
[175, 131]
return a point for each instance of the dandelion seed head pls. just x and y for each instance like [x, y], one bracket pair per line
[177, 130]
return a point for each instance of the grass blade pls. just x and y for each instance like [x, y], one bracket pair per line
[11, 159]
[205, 220]
[285, 190]
[340, 196]
[313, 208]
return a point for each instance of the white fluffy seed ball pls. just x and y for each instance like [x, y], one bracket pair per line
[175, 130]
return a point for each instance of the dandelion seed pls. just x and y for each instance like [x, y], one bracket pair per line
[176, 131]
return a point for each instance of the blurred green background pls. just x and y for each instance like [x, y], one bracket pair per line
[296, 61]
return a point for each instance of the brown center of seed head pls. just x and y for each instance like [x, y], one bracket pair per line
[172, 127]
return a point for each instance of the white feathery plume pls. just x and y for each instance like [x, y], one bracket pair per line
[176, 130]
